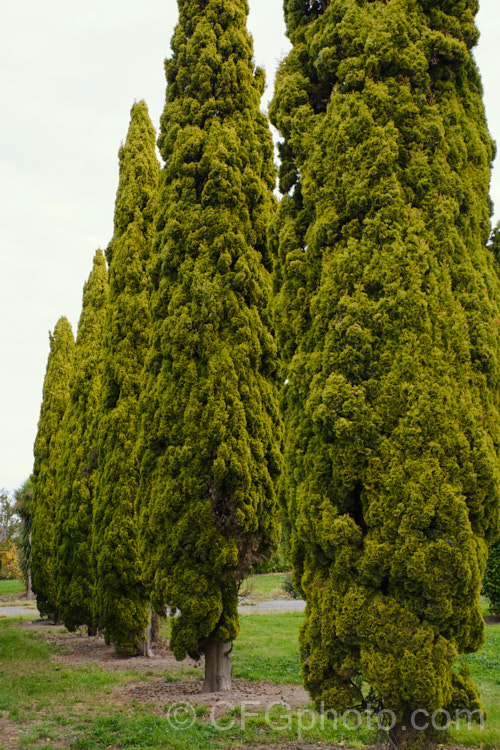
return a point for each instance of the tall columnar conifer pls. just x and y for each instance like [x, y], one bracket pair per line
[388, 318]
[47, 450]
[211, 431]
[77, 475]
[120, 595]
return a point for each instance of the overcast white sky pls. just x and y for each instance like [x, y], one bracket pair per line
[70, 72]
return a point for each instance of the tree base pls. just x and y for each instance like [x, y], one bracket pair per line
[146, 648]
[405, 736]
[218, 668]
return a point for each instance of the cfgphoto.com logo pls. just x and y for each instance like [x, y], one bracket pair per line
[226, 716]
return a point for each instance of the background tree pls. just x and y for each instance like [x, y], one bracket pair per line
[48, 446]
[23, 497]
[388, 317]
[210, 429]
[121, 596]
[9, 530]
[9, 520]
[491, 581]
[77, 476]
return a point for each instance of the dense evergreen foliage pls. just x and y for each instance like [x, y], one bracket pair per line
[388, 318]
[76, 478]
[121, 597]
[211, 429]
[491, 581]
[47, 450]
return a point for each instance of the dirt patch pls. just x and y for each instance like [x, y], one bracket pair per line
[79, 648]
[9, 733]
[491, 619]
[247, 696]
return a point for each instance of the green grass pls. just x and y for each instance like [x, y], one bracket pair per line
[265, 586]
[32, 682]
[234, 730]
[73, 705]
[268, 648]
[12, 587]
[485, 670]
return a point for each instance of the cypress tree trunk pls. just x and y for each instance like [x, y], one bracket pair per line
[210, 436]
[121, 597]
[147, 643]
[388, 317]
[29, 591]
[47, 450]
[218, 669]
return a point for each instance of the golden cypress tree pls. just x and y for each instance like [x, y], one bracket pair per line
[388, 316]
[47, 450]
[210, 428]
[77, 476]
[121, 601]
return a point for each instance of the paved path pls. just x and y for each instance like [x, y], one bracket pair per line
[19, 611]
[272, 605]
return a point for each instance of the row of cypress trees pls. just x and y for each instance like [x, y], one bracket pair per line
[166, 445]
[160, 434]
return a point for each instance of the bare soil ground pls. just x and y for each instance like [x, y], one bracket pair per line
[491, 619]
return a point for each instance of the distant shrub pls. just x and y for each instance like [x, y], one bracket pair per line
[289, 588]
[279, 562]
[9, 563]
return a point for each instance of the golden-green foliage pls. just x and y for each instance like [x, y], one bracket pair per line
[121, 597]
[211, 429]
[77, 476]
[387, 311]
[48, 446]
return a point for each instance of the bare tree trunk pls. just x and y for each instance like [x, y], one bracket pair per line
[147, 643]
[407, 734]
[155, 628]
[29, 593]
[218, 668]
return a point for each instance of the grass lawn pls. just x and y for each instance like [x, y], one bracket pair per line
[12, 587]
[267, 648]
[45, 702]
[485, 668]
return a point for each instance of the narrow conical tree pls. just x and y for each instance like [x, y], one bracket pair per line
[121, 598]
[210, 430]
[388, 317]
[77, 476]
[47, 450]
